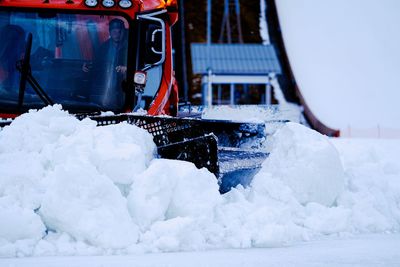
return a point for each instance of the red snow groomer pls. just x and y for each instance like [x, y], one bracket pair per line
[113, 55]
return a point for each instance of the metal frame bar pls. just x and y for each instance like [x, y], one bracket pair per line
[236, 79]
[210, 79]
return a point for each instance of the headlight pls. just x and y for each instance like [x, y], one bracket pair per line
[140, 77]
[108, 3]
[125, 3]
[91, 3]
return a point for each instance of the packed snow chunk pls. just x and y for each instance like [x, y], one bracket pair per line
[324, 220]
[121, 150]
[21, 177]
[259, 218]
[88, 206]
[117, 151]
[62, 244]
[177, 234]
[373, 191]
[17, 223]
[306, 162]
[31, 131]
[172, 188]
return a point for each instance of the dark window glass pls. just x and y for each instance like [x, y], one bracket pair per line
[79, 60]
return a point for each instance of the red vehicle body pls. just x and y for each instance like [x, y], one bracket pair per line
[67, 34]
[90, 58]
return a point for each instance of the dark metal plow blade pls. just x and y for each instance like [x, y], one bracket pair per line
[238, 166]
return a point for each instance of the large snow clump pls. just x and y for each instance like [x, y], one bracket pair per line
[65, 169]
[307, 162]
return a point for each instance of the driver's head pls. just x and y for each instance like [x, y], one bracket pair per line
[116, 28]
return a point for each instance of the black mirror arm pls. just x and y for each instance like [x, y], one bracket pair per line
[23, 66]
[26, 76]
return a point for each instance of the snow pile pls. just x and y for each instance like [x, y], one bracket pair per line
[65, 170]
[68, 187]
[307, 162]
[169, 189]
[18, 223]
[88, 206]
[173, 203]
[373, 184]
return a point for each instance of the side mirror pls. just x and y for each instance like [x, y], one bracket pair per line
[154, 39]
[151, 38]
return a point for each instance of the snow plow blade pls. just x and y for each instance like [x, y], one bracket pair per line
[229, 150]
[213, 144]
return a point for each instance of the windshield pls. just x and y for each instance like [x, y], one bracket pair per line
[79, 60]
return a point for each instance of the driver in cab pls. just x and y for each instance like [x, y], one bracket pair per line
[108, 69]
[114, 50]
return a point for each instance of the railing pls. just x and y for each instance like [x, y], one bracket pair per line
[371, 132]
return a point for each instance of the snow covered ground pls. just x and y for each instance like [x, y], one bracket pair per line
[345, 58]
[362, 251]
[69, 188]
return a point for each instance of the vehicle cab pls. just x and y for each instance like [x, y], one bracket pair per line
[109, 55]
